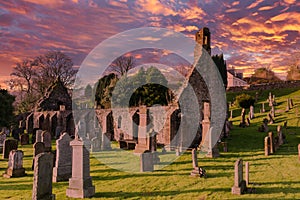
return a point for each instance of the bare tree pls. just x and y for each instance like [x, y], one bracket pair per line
[23, 72]
[52, 66]
[123, 64]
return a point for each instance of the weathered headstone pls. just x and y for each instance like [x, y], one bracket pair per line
[287, 105]
[15, 165]
[80, 184]
[251, 115]
[270, 118]
[24, 139]
[105, 142]
[291, 104]
[271, 142]
[38, 148]
[38, 136]
[243, 120]
[63, 163]
[146, 162]
[2, 139]
[95, 144]
[280, 135]
[143, 138]
[263, 108]
[267, 145]
[247, 173]
[239, 186]
[197, 171]
[9, 144]
[231, 112]
[42, 181]
[46, 139]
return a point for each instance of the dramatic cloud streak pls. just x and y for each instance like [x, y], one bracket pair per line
[251, 34]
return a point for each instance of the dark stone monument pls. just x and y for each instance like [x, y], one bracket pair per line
[146, 162]
[9, 144]
[24, 139]
[42, 181]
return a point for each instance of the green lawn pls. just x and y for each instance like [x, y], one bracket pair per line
[274, 177]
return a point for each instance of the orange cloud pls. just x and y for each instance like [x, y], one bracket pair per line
[256, 3]
[155, 7]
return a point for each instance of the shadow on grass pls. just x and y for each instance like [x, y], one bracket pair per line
[155, 194]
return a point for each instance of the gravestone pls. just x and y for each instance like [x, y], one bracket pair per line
[263, 108]
[143, 138]
[38, 136]
[95, 144]
[247, 173]
[272, 112]
[146, 162]
[231, 112]
[63, 162]
[267, 145]
[9, 144]
[291, 104]
[287, 105]
[239, 186]
[2, 139]
[271, 142]
[24, 139]
[105, 142]
[280, 135]
[251, 115]
[80, 184]
[15, 165]
[270, 118]
[38, 148]
[42, 181]
[243, 120]
[197, 171]
[46, 139]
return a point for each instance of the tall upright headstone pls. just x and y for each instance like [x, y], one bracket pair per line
[271, 142]
[63, 163]
[267, 145]
[46, 139]
[38, 148]
[239, 184]
[15, 165]
[251, 115]
[38, 137]
[24, 139]
[9, 144]
[280, 135]
[80, 184]
[42, 181]
[143, 138]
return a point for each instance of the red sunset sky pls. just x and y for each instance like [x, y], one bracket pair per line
[251, 34]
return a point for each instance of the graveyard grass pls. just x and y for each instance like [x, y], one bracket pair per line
[274, 177]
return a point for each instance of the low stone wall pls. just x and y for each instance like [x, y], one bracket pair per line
[268, 86]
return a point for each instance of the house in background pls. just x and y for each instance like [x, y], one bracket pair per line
[235, 79]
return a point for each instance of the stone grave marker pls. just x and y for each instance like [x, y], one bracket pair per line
[197, 171]
[46, 139]
[146, 162]
[9, 144]
[280, 135]
[263, 108]
[287, 105]
[42, 181]
[271, 142]
[2, 139]
[63, 161]
[247, 173]
[38, 136]
[24, 139]
[38, 147]
[270, 118]
[239, 186]
[291, 104]
[251, 115]
[267, 145]
[80, 184]
[95, 144]
[15, 165]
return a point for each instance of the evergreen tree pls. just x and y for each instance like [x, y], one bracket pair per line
[6, 108]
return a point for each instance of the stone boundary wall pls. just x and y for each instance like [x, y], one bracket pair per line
[267, 86]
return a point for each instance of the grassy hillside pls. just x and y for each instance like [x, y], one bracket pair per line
[274, 177]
